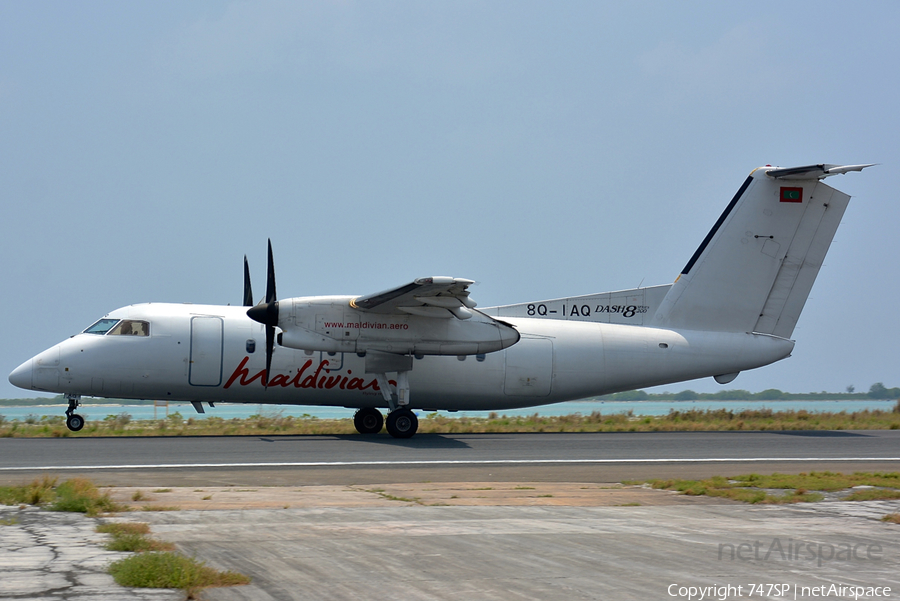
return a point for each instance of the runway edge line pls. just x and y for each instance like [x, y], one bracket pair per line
[444, 462]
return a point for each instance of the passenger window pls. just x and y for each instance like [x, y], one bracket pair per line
[131, 327]
[102, 326]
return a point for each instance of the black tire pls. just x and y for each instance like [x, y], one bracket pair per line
[368, 420]
[402, 423]
[75, 422]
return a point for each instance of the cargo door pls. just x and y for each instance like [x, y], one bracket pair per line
[206, 351]
[529, 367]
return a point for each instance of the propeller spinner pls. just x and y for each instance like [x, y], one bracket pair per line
[267, 313]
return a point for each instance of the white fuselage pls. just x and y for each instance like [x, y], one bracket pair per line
[216, 353]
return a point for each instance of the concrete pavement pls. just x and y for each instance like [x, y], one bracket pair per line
[497, 542]
[56, 555]
[549, 552]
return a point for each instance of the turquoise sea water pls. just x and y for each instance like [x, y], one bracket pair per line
[232, 410]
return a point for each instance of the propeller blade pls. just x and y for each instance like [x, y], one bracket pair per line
[270, 281]
[267, 313]
[248, 289]
[270, 347]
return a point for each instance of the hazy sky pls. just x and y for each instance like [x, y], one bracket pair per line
[543, 149]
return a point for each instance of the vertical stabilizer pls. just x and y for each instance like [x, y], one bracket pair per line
[756, 267]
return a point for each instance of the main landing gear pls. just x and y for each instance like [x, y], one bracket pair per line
[401, 422]
[74, 422]
[368, 420]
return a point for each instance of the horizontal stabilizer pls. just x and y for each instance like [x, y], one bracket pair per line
[814, 171]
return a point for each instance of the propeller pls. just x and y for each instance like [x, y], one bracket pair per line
[267, 314]
[248, 290]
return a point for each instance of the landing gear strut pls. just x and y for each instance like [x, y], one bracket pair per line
[368, 420]
[401, 422]
[74, 422]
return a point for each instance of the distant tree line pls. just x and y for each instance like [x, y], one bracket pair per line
[876, 392]
[61, 400]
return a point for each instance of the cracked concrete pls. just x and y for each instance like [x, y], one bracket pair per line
[57, 555]
[522, 552]
[501, 541]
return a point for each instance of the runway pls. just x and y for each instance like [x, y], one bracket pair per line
[356, 459]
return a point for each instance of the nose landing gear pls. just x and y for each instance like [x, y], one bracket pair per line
[74, 422]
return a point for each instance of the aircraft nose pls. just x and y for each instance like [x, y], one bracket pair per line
[21, 376]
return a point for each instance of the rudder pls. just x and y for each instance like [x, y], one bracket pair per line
[756, 266]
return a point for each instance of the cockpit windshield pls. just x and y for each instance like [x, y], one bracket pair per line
[130, 327]
[102, 327]
[116, 327]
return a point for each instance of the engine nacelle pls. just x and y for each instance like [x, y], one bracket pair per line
[330, 324]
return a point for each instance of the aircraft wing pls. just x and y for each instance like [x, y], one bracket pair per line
[439, 297]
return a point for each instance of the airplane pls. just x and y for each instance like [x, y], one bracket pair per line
[424, 345]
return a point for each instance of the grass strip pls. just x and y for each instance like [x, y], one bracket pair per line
[688, 420]
[39, 492]
[78, 495]
[166, 569]
[132, 537]
[154, 565]
[873, 494]
[799, 488]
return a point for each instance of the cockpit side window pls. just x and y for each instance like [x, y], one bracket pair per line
[130, 327]
[102, 326]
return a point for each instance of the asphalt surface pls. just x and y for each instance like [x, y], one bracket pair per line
[559, 457]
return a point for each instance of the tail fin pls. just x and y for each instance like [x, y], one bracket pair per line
[755, 268]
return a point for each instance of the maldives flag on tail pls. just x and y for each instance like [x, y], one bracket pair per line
[791, 194]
